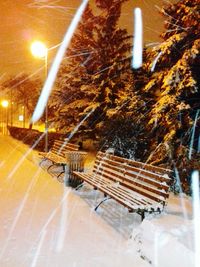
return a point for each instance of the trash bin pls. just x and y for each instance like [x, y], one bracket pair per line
[75, 162]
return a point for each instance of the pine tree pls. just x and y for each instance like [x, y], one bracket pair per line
[174, 87]
[68, 98]
[112, 77]
[96, 74]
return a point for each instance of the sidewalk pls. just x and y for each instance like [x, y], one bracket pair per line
[44, 223]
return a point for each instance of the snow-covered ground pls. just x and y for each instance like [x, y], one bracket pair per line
[44, 223]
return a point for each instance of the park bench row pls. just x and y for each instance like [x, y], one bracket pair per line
[140, 187]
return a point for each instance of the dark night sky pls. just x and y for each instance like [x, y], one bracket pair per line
[23, 21]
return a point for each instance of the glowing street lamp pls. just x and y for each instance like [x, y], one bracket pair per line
[39, 50]
[5, 104]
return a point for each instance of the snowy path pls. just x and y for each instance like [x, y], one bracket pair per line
[45, 224]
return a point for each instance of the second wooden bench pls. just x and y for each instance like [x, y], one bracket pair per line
[57, 154]
[140, 187]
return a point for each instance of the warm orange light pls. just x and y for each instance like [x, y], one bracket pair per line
[38, 49]
[4, 103]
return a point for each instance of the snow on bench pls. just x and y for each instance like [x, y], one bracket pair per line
[138, 186]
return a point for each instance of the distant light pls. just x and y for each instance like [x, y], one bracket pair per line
[4, 103]
[21, 118]
[137, 44]
[38, 49]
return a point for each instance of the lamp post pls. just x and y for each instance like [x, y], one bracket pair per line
[4, 104]
[39, 50]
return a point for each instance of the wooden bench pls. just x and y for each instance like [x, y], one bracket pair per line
[57, 154]
[138, 186]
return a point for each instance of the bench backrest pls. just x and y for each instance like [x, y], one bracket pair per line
[60, 147]
[136, 176]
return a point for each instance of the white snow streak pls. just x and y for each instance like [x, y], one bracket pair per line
[77, 127]
[156, 248]
[198, 149]
[44, 228]
[2, 163]
[63, 226]
[155, 61]
[21, 207]
[11, 174]
[42, 102]
[137, 45]
[75, 130]
[193, 134]
[39, 248]
[181, 195]
[196, 213]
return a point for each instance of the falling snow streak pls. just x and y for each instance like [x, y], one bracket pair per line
[156, 248]
[25, 79]
[198, 149]
[42, 102]
[39, 248]
[137, 44]
[43, 231]
[19, 212]
[193, 134]
[2, 76]
[155, 61]
[49, 5]
[196, 215]
[177, 27]
[11, 174]
[181, 194]
[63, 225]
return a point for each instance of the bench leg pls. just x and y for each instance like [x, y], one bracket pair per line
[79, 186]
[66, 174]
[105, 198]
[48, 169]
[142, 214]
[59, 178]
[44, 159]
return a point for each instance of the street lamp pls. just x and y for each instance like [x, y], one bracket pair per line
[39, 50]
[4, 104]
